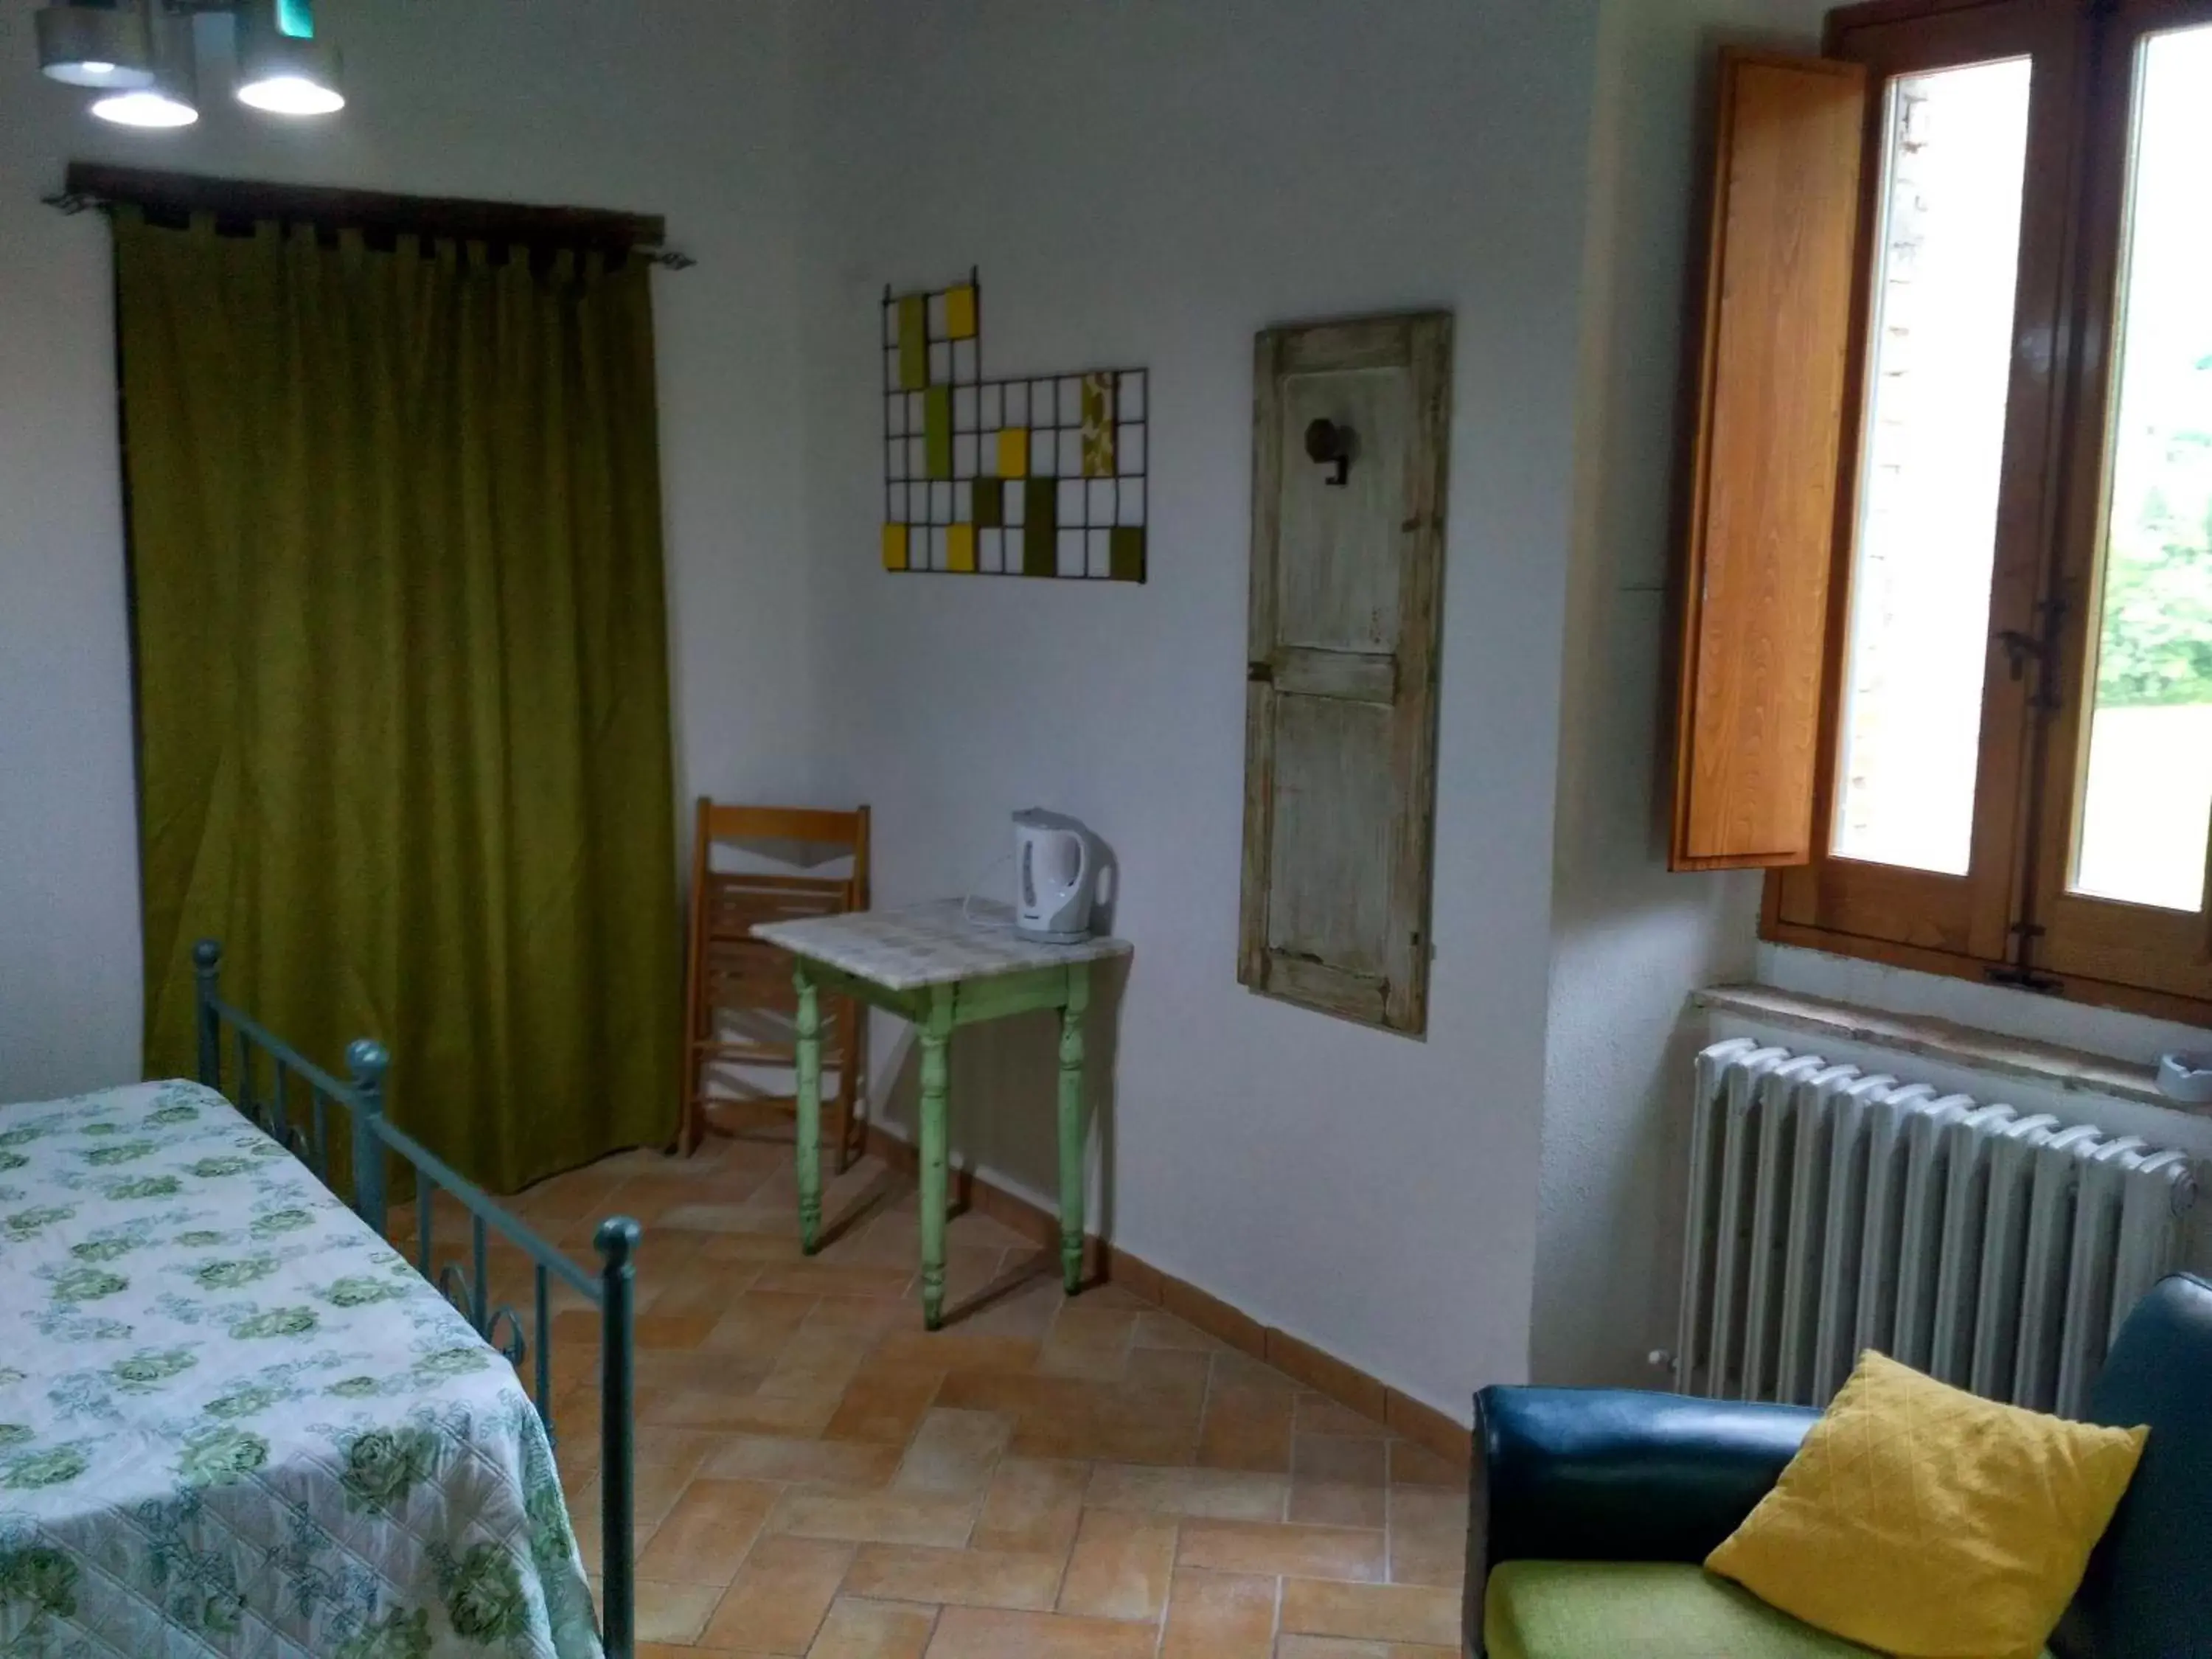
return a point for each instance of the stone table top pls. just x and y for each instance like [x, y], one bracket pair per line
[938, 943]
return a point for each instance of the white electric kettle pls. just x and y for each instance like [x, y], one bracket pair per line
[1056, 875]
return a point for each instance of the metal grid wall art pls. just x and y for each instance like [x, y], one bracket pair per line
[1036, 476]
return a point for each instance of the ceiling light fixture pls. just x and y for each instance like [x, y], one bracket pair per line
[171, 96]
[104, 47]
[140, 54]
[282, 67]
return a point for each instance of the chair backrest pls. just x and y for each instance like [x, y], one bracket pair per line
[2149, 1592]
[813, 828]
[720, 822]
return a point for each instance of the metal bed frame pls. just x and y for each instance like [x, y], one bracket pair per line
[612, 1290]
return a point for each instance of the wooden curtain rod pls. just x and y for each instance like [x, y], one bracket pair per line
[90, 184]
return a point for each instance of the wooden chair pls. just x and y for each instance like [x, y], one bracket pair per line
[741, 1004]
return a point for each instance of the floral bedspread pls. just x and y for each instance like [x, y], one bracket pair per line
[233, 1421]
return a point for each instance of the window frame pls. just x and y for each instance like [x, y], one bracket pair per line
[2103, 938]
[2009, 920]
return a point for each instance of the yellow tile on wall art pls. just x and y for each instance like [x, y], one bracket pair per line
[960, 314]
[1040, 474]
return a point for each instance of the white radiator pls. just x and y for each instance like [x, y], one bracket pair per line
[1832, 1210]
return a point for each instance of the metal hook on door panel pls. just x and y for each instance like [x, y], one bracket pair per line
[1331, 446]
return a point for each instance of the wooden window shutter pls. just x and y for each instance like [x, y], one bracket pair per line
[1762, 524]
[1340, 759]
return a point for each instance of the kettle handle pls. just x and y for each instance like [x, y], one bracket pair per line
[1082, 861]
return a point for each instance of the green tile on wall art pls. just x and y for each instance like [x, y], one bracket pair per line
[937, 430]
[1040, 526]
[913, 342]
[1098, 426]
[990, 502]
[1126, 555]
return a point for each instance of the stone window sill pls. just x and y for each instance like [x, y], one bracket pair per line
[2071, 1071]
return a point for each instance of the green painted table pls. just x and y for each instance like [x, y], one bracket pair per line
[940, 966]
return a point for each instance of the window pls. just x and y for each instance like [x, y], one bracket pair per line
[2145, 788]
[2011, 773]
[1931, 453]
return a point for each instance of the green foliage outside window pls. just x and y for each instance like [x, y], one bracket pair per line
[2157, 643]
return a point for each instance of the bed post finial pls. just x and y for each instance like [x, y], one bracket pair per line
[367, 1061]
[616, 1240]
[207, 965]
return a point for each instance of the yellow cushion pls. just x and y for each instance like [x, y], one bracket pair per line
[1927, 1522]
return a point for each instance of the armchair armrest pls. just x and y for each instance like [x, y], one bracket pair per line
[1615, 1474]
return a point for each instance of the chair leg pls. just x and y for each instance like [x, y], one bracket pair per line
[691, 1121]
[687, 1125]
[692, 1134]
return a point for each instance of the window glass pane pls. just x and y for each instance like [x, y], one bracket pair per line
[1938, 370]
[2146, 793]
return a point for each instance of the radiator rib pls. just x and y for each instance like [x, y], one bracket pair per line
[1830, 1211]
[1807, 1215]
[1835, 1319]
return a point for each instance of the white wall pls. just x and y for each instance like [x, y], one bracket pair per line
[1151, 184]
[1630, 941]
[682, 107]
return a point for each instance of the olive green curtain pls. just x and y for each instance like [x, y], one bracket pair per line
[402, 673]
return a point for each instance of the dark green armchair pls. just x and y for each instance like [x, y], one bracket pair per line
[1593, 1507]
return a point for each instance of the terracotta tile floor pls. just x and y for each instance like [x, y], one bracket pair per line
[1047, 1476]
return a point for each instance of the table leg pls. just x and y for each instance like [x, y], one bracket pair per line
[1071, 1126]
[936, 1036]
[807, 1155]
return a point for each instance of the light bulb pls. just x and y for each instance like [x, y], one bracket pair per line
[291, 95]
[145, 109]
[283, 71]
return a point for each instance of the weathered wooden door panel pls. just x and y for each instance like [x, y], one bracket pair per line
[1340, 715]
[1328, 864]
[1337, 593]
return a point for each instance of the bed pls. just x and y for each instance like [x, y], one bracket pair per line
[234, 1420]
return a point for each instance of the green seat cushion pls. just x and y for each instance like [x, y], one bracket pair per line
[1646, 1609]
[1650, 1609]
